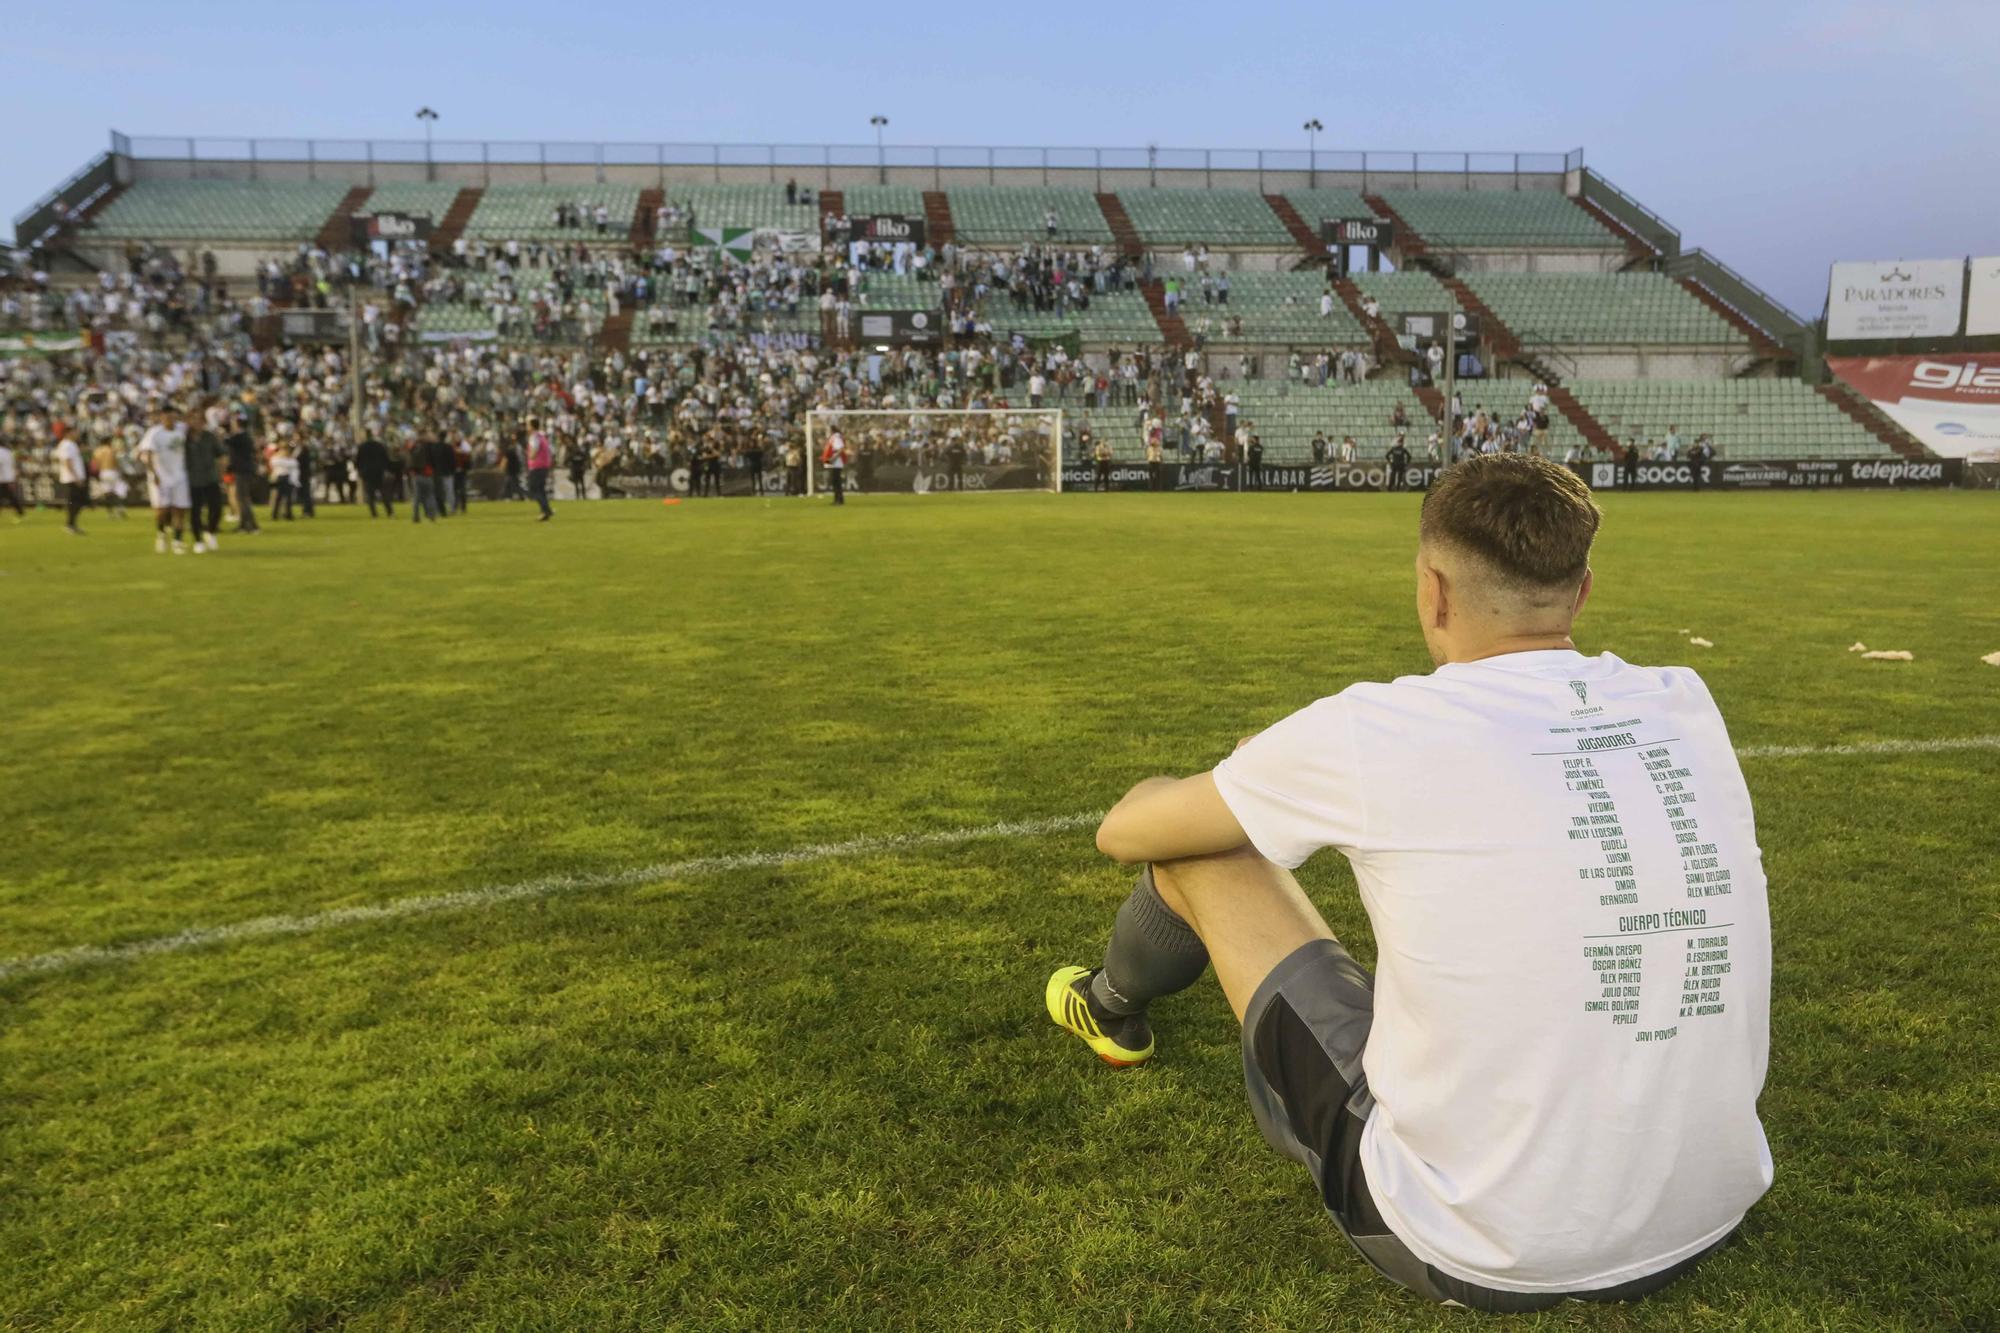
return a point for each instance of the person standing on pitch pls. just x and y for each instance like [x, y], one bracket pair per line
[305, 456]
[242, 451]
[423, 481]
[443, 460]
[834, 459]
[1549, 1088]
[510, 466]
[162, 451]
[371, 460]
[1101, 479]
[10, 482]
[541, 458]
[204, 471]
[1399, 465]
[75, 479]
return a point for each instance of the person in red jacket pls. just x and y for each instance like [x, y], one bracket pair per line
[541, 459]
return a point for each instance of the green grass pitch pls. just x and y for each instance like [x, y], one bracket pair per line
[821, 1093]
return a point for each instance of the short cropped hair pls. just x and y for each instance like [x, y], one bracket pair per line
[1532, 520]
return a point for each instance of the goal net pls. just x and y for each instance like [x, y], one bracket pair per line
[927, 450]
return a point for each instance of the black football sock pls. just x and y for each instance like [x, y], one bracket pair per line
[1152, 953]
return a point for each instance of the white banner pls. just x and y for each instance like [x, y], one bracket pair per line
[1949, 401]
[1895, 298]
[1982, 310]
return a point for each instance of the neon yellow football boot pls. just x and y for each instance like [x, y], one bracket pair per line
[1118, 1041]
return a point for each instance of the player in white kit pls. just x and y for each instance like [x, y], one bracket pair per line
[163, 452]
[1548, 1087]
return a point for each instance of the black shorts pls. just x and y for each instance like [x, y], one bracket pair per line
[1304, 1034]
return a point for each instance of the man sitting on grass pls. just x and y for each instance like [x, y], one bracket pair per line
[1549, 1087]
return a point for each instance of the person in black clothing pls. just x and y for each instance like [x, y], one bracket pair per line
[954, 455]
[1399, 465]
[1630, 467]
[339, 477]
[1254, 455]
[510, 462]
[715, 455]
[305, 455]
[371, 460]
[753, 458]
[578, 465]
[443, 460]
[1698, 458]
[242, 452]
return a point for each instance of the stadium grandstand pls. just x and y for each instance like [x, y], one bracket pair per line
[1148, 292]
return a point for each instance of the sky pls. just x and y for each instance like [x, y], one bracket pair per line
[1778, 135]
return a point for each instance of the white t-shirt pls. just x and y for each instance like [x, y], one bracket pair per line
[167, 452]
[8, 473]
[1572, 996]
[69, 462]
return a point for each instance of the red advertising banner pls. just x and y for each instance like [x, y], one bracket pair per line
[1951, 402]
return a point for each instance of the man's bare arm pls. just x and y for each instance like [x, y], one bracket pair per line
[1162, 819]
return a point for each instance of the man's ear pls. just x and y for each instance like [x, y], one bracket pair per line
[1582, 596]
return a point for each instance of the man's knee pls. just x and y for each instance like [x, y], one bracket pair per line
[1183, 884]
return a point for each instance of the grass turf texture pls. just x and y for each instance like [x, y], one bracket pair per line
[826, 1095]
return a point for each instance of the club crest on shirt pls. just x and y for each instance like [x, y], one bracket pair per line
[1582, 691]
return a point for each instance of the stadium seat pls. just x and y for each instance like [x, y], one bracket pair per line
[891, 200]
[1600, 308]
[527, 212]
[1748, 418]
[1274, 307]
[412, 197]
[222, 212]
[1205, 217]
[1011, 215]
[1496, 218]
[745, 206]
[1317, 206]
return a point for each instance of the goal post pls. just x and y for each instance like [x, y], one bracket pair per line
[926, 450]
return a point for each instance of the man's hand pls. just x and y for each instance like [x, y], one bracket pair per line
[1163, 819]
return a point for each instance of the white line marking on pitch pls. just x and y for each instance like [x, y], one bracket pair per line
[199, 937]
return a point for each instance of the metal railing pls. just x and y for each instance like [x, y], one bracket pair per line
[1755, 304]
[48, 213]
[1655, 230]
[717, 158]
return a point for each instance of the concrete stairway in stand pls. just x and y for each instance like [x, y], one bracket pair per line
[1296, 225]
[455, 218]
[939, 229]
[1638, 250]
[1408, 243]
[1873, 420]
[334, 235]
[645, 218]
[1585, 421]
[1760, 342]
[1388, 351]
[1120, 222]
[616, 335]
[1173, 329]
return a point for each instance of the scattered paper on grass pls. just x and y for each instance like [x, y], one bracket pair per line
[1891, 655]
[1857, 647]
[1991, 659]
[1700, 642]
[1686, 632]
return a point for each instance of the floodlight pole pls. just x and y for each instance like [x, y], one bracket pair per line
[881, 156]
[1312, 129]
